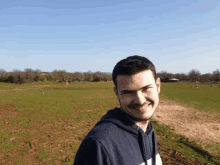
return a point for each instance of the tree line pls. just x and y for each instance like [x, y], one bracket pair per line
[193, 75]
[30, 75]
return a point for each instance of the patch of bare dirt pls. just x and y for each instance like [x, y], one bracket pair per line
[8, 110]
[196, 125]
[40, 86]
[26, 88]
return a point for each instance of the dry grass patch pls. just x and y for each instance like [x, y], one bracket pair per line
[196, 125]
[8, 110]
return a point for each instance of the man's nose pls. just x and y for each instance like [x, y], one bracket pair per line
[139, 98]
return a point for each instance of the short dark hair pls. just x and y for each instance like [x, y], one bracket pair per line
[132, 65]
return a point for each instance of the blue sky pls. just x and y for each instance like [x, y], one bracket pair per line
[176, 36]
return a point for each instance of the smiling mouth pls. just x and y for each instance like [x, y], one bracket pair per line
[145, 106]
[140, 107]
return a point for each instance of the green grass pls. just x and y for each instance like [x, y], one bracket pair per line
[203, 97]
[54, 120]
[27, 134]
[43, 155]
[19, 163]
[41, 113]
[5, 136]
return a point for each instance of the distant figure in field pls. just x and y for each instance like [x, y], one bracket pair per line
[67, 83]
[125, 135]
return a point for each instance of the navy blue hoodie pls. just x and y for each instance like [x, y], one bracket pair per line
[116, 140]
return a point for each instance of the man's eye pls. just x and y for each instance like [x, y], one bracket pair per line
[128, 92]
[145, 89]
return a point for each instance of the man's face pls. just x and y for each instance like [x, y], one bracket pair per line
[138, 94]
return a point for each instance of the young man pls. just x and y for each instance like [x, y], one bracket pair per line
[125, 136]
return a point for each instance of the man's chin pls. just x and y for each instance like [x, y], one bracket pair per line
[140, 117]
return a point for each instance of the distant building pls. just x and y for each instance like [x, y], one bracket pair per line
[170, 80]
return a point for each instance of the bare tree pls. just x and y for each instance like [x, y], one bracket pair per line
[205, 77]
[87, 76]
[216, 75]
[16, 70]
[29, 75]
[76, 76]
[54, 74]
[165, 75]
[181, 76]
[37, 75]
[2, 72]
[37, 71]
[59, 75]
[194, 75]
[67, 76]
[95, 77]
[16, 76]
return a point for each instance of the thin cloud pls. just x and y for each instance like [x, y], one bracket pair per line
[215, 17]
[201, 6]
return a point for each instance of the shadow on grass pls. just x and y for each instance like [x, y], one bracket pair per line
[177, 149]
[200, 151]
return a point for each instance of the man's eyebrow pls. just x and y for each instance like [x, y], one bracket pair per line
[137, 89]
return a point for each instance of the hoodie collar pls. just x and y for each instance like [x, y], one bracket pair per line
[120, 118]
[149, 126]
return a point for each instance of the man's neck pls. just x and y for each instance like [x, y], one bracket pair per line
[141, 124]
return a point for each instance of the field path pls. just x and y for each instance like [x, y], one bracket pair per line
[26, 88]
[198, 126]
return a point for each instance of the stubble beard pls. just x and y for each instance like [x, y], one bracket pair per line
[135, 111]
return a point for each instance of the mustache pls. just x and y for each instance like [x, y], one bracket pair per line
[138, 106]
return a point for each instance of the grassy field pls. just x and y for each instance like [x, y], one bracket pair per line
[203, 97]
[47, 123]
[44, 123]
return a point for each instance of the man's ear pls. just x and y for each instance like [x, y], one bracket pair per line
[158, 84]
[116, 91]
